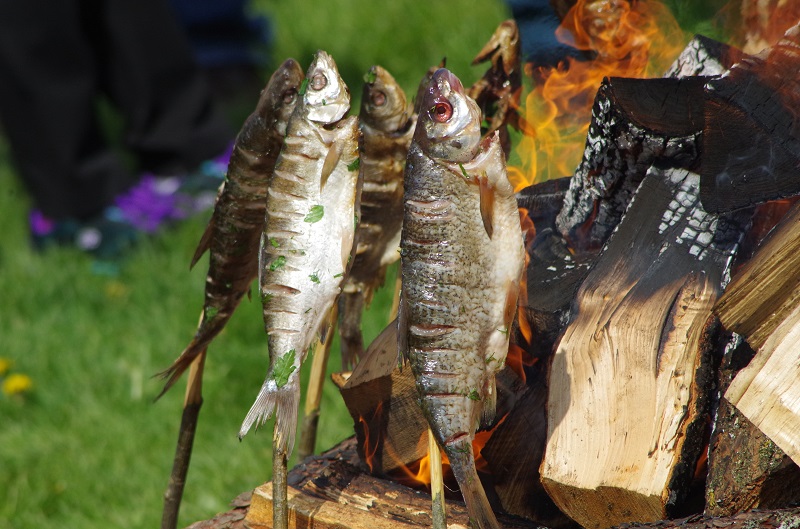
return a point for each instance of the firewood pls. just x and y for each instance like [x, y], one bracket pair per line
[763, 304]
[746, 470]
[333, 492]
[382, 400]
[704, 57]
[751, 139]
[514, 453]
[628, 388]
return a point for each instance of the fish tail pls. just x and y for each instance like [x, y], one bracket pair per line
[351, 305]
[462, 461]
[283, 402]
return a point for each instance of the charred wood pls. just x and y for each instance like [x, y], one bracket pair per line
[704, 57]
[751, 138]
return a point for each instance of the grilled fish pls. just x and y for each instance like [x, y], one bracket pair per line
[499, 91]
[235, 227]
[307, 239]
[387, 123]
[461, 260]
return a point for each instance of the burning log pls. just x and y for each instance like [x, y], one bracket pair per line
[751, 139]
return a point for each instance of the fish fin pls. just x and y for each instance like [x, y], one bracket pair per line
[205, 242]
[510, 308]
[402, 329]
[181, 364]
[283, 402]
[489, 403]
[462, 462]
[487, 204]
[331, 160]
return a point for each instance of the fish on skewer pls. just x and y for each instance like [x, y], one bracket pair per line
[462, 257]
[387, 121]
[235, 227]
[231, 239]
[307, 240]
[499, 91]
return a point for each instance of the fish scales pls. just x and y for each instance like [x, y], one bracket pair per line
[233, 232]
[387, 125]
[462, 256]
[307, 240]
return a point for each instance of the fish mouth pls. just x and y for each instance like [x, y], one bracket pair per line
[327, 97]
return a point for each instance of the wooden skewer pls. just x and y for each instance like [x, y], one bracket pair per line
[316, 381]
[437, 484]
[183, 452]
[280, 507]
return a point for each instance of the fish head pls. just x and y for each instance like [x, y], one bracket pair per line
[325, 97]
[383, 103]
[449, 123]
[279, 97]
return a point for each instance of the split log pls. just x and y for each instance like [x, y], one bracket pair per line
[704, 57]
[763, 305]
[629, 382]
[746, 470]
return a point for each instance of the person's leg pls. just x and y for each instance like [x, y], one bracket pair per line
[149, 72]
[47, 108]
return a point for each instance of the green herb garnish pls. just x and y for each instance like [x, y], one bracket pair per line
[265, 298]
[211, 312]
[340, 274]
[354, 165]
[314, 278]
[370, 76]
[284, 367]
[277, 263]
[473, 395]
[273, 242]
[315, 214]
[303, 87]
[463, 171]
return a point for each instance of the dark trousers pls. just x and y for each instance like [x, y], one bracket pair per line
[57, 57]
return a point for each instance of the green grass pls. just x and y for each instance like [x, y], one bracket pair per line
[87, 447]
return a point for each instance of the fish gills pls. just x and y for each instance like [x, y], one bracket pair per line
[461, 260]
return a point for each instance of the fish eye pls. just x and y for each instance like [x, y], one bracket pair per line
[319, 81]
[289, 95]
[378, 98]
[442, 111]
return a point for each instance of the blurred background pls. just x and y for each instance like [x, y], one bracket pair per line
[82, 444]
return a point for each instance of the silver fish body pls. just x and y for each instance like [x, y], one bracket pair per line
[387, 123]
[462, 257]
[307, 239]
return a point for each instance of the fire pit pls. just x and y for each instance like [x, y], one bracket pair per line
[617, 402]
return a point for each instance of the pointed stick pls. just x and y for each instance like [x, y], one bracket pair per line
[280, 507]
[396, 299]
[183, 451]
[316, 380]
[437, 484]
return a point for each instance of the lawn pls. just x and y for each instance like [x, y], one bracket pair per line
[86, 446]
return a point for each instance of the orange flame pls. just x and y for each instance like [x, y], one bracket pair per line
[370, 446]
[630, 38]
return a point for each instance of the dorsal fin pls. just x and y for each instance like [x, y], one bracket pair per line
[205, 242]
